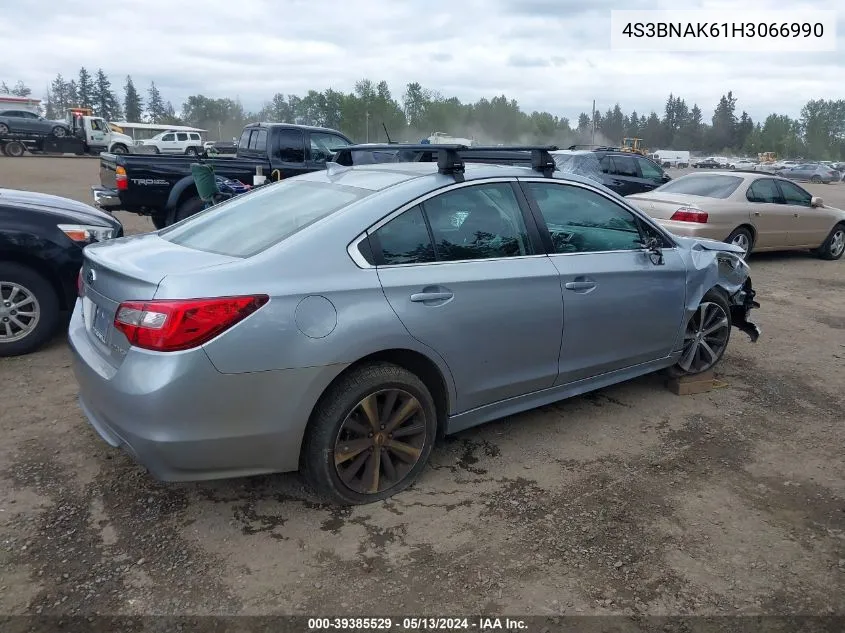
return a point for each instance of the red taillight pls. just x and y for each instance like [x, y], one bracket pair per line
[80, 285]
[166, 325]
[120, 179]
[686, 214]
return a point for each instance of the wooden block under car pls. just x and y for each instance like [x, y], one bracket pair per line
[700, 383]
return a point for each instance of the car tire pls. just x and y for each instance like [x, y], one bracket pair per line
[714, 309]
[43, 298]
[834, 246]
[159, 221]
[15, 149]
[189, 207]
[119, 149]
[191, 151]
[59, 131]
[743, 238]
[815, 180]
[340, 419]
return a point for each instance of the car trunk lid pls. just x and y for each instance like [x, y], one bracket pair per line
[130, 269]
[661, 206]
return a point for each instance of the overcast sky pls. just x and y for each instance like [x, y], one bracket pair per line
[549, 55]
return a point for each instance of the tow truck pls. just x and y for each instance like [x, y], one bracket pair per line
[90, 135]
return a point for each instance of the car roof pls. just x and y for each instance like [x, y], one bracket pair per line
[310, 128]
[379, 176]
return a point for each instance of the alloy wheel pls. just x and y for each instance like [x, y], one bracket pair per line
[741, 240]
[705, 338]
[837, 243]
[19, 312]
[380, 441]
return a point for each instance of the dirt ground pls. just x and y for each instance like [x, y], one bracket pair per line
[629, 500]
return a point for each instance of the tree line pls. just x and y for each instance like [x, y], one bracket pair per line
[370, 108]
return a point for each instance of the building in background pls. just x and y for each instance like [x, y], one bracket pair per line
[141, 131]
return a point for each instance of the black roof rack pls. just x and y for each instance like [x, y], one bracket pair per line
[451, 158]
[594, 148]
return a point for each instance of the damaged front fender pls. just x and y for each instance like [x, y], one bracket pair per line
[713, 264]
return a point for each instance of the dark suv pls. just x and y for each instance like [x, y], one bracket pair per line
[622, 172]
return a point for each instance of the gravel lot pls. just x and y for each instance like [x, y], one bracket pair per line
[628, 500]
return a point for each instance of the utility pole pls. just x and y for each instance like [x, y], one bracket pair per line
[367, 119]
[593, 125]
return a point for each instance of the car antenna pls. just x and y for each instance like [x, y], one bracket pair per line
[387, 134]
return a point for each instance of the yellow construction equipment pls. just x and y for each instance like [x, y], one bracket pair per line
[633, 145]
[767, 157]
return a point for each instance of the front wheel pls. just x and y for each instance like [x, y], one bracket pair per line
[59, 131]
[29, 310]
[706, 336]
[370, 436]
[119, 149]
[834, 246]
[741, 237]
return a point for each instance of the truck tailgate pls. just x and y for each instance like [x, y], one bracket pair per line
[108, 165]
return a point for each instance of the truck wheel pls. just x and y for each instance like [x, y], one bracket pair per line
[190, 207]
[191, 151]
[15, 149]
[29, 310]
[119, 149]
[59, 131]
[159, 221]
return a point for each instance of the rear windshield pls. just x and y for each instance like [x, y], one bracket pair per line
[253, 222]
[709, 186]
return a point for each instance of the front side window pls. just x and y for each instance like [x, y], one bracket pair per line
[478, 222]
[246, 225]
[168, 137]
[650, 170]
[793, 194]
[405, 239]
[324, 145]
[582, 221]
[258, 140]
[291, 146]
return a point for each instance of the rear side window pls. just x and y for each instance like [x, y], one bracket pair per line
[195, 137]
[181, 136]
[764, 190]
[405, 239]
[710, 186]
[258, 140]
[291, 146]
[251, 223]
[624, 166]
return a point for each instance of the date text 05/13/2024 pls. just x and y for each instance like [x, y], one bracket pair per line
[724, 31]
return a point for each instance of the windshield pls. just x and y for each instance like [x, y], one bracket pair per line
[251, 223]
[709, 186]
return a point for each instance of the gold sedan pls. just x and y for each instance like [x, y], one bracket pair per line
[755, 211]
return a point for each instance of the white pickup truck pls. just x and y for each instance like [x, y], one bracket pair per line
[99, 136]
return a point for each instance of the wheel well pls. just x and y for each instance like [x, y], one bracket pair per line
[419, 365]
[42, 269]
[189, 192]
[750, 229]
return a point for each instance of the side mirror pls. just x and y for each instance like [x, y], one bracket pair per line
[651, 245]
[815, 201]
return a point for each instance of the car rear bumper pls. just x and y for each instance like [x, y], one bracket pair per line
[183, 420]
[105, 198]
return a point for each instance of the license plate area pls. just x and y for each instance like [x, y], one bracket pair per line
[97, 319]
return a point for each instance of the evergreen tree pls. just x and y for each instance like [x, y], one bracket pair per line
[155, 104]
[84, 90]
[133, 106]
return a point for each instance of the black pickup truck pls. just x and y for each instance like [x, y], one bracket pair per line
[162, 187]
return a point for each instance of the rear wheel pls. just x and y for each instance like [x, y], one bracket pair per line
[29, 310]
[189, 207]
[59, 131]
[191, 151]
[834, 246]
[370, 436]
[815, 179]
[15, 149]
[741, 237]
[706, 336]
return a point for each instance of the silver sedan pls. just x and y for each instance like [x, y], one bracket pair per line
[339, 322]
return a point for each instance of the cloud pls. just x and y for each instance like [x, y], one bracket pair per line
[549, 55]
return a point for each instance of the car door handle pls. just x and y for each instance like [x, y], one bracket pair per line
[757, 213]
[421, 297]
[580, 286]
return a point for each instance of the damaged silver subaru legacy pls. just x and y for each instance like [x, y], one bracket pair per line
[339, 322]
